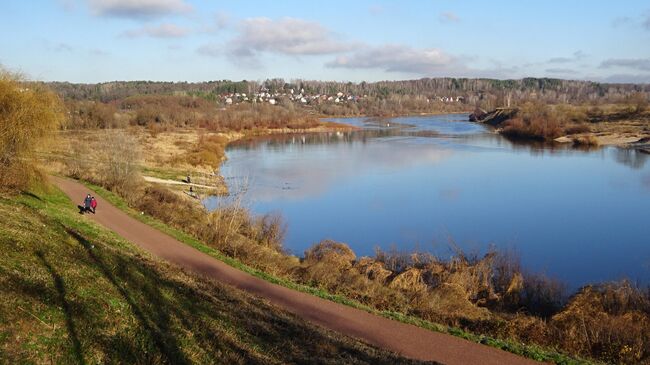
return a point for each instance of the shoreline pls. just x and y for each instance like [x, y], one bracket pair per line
[392, 116]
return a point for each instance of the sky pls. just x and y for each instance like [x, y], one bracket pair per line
[364, 40]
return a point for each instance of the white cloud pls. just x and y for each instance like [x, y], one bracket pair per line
[160, 31]
[222, 20]
[212, 50]
[287, 36]
[98, 52]
[642, 64]
[400, 58]
[625, 79]
[449, 17]
[139, 9]
[63, 47]
[565, 71]
[577, 56]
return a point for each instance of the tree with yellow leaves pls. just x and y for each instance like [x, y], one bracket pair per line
[29, 113]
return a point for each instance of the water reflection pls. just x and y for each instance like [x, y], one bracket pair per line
[633, 158]
[575, 214]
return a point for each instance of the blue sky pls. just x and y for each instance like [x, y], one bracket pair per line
[199, 40]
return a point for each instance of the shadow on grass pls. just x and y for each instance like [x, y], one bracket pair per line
[225, 325]
[157, 328]
[61, 294]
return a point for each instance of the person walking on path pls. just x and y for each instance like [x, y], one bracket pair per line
[85, 206]
[93, 204]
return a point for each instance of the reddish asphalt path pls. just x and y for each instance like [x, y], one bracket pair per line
[408, 340]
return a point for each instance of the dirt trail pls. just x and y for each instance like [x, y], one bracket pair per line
[174, 182]
[407, 340]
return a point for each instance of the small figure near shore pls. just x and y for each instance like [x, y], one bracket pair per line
[187, 180]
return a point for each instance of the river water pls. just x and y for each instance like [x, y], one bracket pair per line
[420, 183]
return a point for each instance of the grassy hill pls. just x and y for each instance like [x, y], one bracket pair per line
[73, 292]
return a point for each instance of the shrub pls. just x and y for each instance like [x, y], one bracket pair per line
[28, 116]
[118, 166]
[209, 151]
[577, 128]
[586, 141]
[533, 128]
[610, 322]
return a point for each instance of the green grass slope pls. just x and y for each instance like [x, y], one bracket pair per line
[72, 292]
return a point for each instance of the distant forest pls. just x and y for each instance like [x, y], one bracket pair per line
[276, 103]
[475, 92]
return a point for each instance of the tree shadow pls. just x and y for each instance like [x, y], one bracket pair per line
[157, 328]
[224, 325]
[61, 294]
[32, 195]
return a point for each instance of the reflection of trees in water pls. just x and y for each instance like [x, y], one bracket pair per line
[631, 157]
[316, 138]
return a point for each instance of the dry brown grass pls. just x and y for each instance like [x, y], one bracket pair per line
[577, 128]
[586, 141]
[532, 128]
[610, 322]
[209, 151]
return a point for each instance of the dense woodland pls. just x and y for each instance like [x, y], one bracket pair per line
[276, 103]
[473, 90]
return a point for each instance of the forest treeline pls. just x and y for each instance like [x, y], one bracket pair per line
[276, 103]
[473, 91]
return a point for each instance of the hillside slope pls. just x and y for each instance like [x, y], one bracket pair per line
[72, 292]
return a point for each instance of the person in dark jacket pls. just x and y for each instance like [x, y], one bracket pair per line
[87, 203]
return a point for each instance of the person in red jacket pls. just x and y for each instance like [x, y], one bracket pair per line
[93, 204]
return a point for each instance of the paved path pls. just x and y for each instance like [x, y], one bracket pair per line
[407, 340]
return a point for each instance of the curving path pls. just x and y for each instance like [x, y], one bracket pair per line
[407, 340]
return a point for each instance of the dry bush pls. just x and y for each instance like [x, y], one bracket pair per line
[326, 262]
[373, 269]
[539, 121]
[223, 228]
[533, 128]
[268, 230]
[28, 116]
[449, 304]
[170, 208]
[586, 141]
[528, 329]
[118, 166]
[410, 280]
[610, 322]
[398, 261]
[249, 116]
[577, 128]
[640, 102]
[79, 165]
[92, 115]
[541, 296]
[209, 151]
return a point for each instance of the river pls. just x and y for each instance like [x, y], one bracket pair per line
[434, 182]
